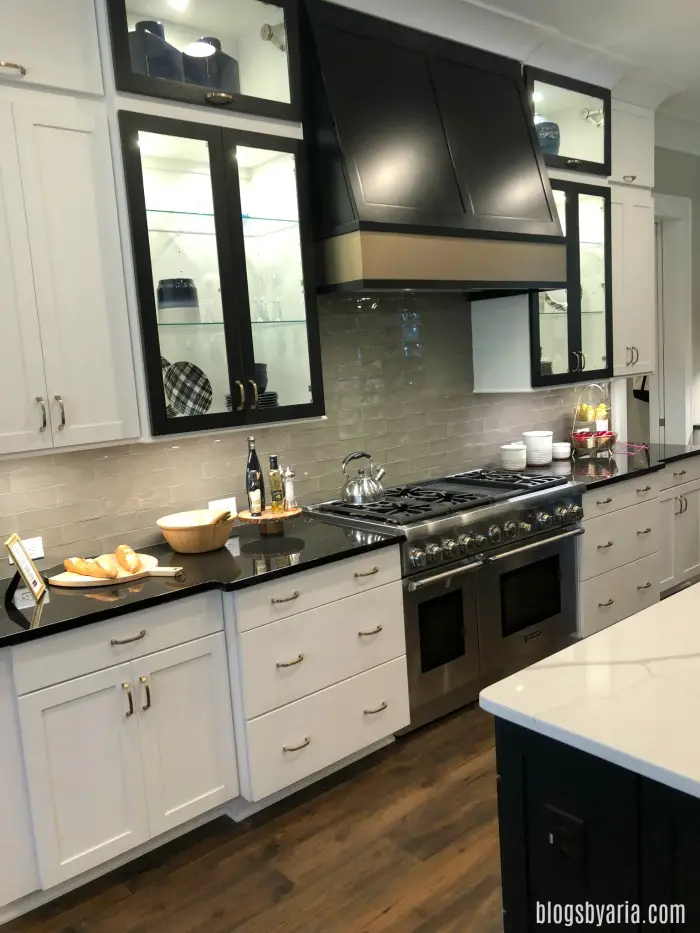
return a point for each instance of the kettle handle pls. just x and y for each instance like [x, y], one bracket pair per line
[357, 455]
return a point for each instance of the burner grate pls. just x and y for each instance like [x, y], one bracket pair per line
[514, 481]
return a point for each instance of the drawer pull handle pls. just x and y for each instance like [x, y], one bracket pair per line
[285, 599]
[680, 473]
[629, 178]
[372, 631]
[604, 605]
[297, 748]
[604, 501]
[128, 641]
[147, 705]
[368, 573]
[601, 547]
[646, 531]
[645, 489]
[127, 686]
[379, 709]
[645, 586]
[296, 660]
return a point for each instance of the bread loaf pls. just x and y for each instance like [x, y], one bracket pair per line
[91, 568]
[127, 558]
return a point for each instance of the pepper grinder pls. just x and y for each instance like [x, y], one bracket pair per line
[290, 500]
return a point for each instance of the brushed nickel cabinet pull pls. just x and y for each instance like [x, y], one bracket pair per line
[128, 641]
[59, 399]
[601, 547]
[629, 361]
[646, 531]
[285, 599]
[218, 98]
[573, 161]
[603, 605]
[296, 661]
[636, 355]
[379, 709]
[645, 489]
[368, 573]
[372, 631]
[22, 70]
[680, 473]
[645, 586]
[127, 686]
[680, 510]
[255, 394]
[606, 501]
[147, 705]
[629, 178]
[297, 748]
[684, 502]
[241, 390]
[44, 422]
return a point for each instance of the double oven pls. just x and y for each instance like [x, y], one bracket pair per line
[487, 616]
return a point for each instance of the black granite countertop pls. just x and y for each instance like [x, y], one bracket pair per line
[309, 541]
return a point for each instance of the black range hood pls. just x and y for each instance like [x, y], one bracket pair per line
[426, 172]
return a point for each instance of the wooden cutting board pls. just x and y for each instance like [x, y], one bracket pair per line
[149, 568]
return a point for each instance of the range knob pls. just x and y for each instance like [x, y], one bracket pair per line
[434, 553]
[451, 548]
[417, 558]
[510, 530]
[482, 541]
[544, 520]
[576, 512]
[495, 534]
[524, 528]
[466, 544]
[562, 513]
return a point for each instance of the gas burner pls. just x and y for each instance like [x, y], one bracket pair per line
[419, 493]
[389, 511]
[515, 481]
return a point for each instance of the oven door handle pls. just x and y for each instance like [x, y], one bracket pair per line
[446, 575]
[531, 547]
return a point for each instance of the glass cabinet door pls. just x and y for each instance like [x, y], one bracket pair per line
[595, 285]
[572, 122]
[240, 54]
[555, 357]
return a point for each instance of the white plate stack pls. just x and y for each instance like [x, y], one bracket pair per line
[538, 447]
[513, 456]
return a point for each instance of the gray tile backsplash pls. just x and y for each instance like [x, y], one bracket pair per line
[398, 381]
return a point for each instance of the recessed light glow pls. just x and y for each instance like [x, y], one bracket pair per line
[538, 97]
[179, 5]
[199, 49]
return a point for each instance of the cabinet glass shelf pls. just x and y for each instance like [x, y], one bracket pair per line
[221, 323]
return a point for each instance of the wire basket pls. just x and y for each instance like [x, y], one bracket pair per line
[584, 441]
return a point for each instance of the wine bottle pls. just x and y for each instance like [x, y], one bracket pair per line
[252, 469]
[276, 492]
[255, 493]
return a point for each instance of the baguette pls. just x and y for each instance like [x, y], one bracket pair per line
[127, 558]
[91, 568]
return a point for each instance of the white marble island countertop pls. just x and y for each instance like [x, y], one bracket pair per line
[629, 694]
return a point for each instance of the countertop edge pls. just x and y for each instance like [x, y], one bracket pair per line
[673, 458]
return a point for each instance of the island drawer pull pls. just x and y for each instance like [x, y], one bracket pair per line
[680, 473]
[604, 605]
[128, 641]
[604, 501]
[379, 709]
[297, 748]
[127, 686]
[646, 531]
[372, 631]
[644, 586]
[368, 573]
[293, 663]
[601, 547]
[22, 70]
[285, 599]
[645, 489]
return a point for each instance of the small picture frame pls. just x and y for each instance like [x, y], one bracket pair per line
[26, 567]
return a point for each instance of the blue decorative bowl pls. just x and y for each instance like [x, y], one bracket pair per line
[549, 137]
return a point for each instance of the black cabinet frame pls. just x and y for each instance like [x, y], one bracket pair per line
[128, 80]
[232, 269]
[577, 363]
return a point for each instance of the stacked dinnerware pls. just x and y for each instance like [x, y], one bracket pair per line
[513, 456]
[538, 447]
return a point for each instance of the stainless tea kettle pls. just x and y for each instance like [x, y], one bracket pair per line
[362, 489]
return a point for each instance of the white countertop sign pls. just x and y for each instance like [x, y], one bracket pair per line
[629, 694]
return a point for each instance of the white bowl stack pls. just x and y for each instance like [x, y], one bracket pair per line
[513, 456]
[538, 447]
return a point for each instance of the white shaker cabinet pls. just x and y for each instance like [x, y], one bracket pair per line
[632, 145]
[633, 281]
[680, 533]
[65, 354]
[670, 507]
[50, 43]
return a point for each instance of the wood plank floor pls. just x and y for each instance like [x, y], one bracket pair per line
[404, 842]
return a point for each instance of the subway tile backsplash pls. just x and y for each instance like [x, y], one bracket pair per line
[398, 383]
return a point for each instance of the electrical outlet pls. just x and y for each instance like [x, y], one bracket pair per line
[24, 599]
[34, 548]
[229, 504]
[234, 546]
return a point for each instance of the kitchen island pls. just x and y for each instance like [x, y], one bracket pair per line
[599, 772]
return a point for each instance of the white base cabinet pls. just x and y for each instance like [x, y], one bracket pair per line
[680, 528]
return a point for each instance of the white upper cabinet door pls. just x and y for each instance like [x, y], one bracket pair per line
[24, 415]
[186, 731]
[86, 791]
[632, 143]
[51, 43]
[70, 200]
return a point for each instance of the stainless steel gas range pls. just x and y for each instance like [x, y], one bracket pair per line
[489, 577]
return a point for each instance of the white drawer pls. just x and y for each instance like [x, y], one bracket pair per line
[682, 471]
[293, 742]
[297, 656]
[618, 594]
[298, 592]
[621, 495]
[619, 538]
[55, 658]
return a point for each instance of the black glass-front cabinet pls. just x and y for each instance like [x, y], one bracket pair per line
[240, 55]
[571, 328]
[222, 250]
